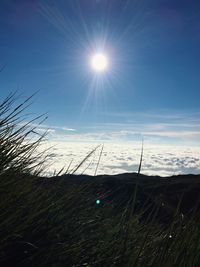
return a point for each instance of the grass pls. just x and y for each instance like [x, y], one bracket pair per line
[19, 139]
[140, 220]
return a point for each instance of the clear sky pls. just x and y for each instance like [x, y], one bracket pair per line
[151, 86]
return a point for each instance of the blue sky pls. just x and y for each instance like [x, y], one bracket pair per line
[150, 89]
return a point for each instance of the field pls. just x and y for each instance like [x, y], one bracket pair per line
[123, 220]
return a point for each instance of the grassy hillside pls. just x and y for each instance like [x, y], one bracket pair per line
[140, 220]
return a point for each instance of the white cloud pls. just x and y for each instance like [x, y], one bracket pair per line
[124, 157]
[123, 145]
[46, 127]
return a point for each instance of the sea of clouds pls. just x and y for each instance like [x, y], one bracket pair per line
[163, 160]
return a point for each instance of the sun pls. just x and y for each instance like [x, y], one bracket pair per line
[99, 62]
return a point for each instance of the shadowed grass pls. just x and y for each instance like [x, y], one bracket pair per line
[56, 221]
[19, 140]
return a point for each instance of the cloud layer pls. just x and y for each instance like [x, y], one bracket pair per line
[124, 157]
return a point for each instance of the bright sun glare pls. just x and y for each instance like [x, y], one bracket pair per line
[99, 62]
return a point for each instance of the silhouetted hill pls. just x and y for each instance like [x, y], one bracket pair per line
[117, 189]
[106, 220]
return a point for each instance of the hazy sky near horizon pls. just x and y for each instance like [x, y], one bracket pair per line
[151, 87]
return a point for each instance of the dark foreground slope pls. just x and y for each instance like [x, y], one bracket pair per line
[140, 220]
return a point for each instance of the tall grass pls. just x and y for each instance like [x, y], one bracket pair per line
[19, 139]
[141, 157]
[56, 222]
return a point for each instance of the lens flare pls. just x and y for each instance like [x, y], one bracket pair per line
[98, 201]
